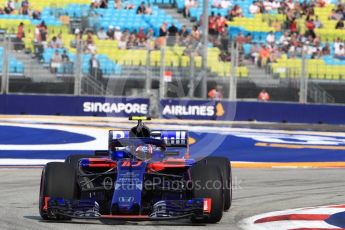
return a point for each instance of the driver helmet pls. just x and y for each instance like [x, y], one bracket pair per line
[144, 151]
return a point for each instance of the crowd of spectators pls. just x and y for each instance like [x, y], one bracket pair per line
[20, 8]
[295, 38]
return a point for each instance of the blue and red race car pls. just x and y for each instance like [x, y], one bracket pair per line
[143, 175]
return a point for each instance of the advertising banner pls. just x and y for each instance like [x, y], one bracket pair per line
[74, 105]
[197, 109]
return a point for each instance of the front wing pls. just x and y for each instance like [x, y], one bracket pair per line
[162, 210]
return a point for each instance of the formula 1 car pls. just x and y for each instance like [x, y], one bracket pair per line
[143, 175]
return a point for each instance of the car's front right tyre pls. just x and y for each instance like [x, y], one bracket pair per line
[58, 180]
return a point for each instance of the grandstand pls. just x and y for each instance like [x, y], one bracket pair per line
[301, 33]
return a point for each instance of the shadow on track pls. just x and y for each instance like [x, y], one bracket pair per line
[116, 222]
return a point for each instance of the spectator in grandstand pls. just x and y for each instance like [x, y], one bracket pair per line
[183, 36]
[118, 4]
[103, 4]
[77, 39]
[225, 4]
[340, 53]
[148, 9]
[254, 53]
[17, 6]
[249, 38]
[173, 30]
[19, 45]
[100, 3]
[326, 50]
[55, 62]
[36, 15]
[275, 5]
[290, 4]
[53, 43]
[293, 26]
[101, 34]
[240, 39]
[336, 44]
[163, 32]
[254, 8]
[310, 28]
[271, 38]
[41, 34]
[317, 22]
[90, 46]
[264, 96]
[187, 5]
[9, 7]
[141, 38]
[141, 8]
[284, 39]
[64, 56]
[220, 24]
[267, 6]
[236, 11]
[264, 55]
[117, 33]
[25, 7]
[212, 24]
[110, 32]
[277, 25]
[122, 44]
[275, 53]
[95, 67]
[67, 65]
[195, 35]
[339, 25]
[132, 40]
[129, 6]
[215, 93]
[215, 4]
[224, 40]
[335, 15]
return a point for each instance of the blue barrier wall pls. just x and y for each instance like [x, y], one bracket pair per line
[249, 111]
[290, 112]
[73, 105]
[172, 109]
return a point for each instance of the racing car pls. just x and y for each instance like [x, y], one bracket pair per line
[143, 175]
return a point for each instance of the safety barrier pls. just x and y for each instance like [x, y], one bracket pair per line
[73, 106]
[172, 108]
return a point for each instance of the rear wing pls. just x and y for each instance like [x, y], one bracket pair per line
[172, 138]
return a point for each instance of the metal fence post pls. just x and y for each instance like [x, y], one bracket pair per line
[192, 76]
[204, 50]
[162, 73]
[233, 80]
[148, 80]
[303, 92]
[5, 75]
[78, 72]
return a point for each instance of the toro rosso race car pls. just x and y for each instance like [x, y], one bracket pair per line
[143, 175]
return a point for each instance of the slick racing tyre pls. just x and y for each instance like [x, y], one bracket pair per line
[208, 183]
[224, 165]
[58, 180]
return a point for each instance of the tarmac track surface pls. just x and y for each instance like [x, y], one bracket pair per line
[255, 191]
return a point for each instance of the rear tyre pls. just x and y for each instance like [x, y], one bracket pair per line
[58, 180]
[224, 165]
[208, 183]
